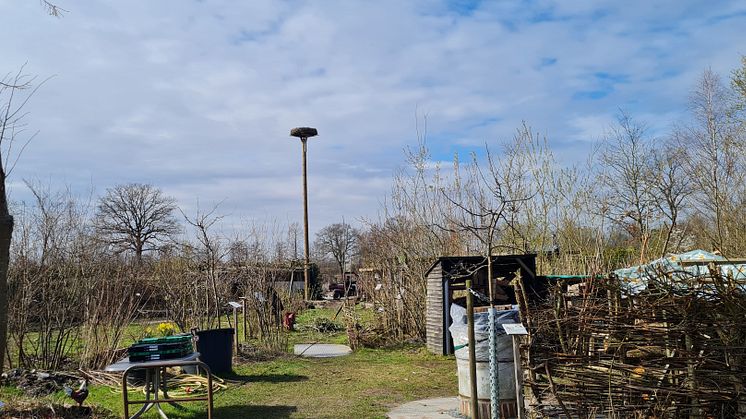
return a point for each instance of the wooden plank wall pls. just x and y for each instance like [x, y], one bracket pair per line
[434, 311]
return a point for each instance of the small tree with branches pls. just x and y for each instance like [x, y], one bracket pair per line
[340, 241]
[629, 197]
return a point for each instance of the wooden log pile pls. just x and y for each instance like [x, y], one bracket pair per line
[597, 349]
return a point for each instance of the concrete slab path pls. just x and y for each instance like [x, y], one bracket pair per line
[442, 408]
[321, 350]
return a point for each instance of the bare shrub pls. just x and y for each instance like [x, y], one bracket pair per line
[47, 291]
[114, 294]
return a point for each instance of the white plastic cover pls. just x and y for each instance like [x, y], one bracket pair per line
[459, 333]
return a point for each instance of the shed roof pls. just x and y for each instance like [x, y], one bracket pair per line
[449, 261]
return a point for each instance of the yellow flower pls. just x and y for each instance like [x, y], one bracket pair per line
[166, 329]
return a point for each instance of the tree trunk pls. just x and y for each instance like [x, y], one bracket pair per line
[6, 231]
[138, 252]
[343, 281]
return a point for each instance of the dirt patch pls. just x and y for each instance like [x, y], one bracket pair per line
[36, 383]
[251, 353]
[35, 410]
[33, 401]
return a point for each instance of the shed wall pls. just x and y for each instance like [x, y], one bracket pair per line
[434, 311]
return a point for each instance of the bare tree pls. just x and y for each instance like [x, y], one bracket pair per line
[340, 241]
[672, 187]
[714, 160]
[528, 174]
[15, 91]
[484, 211]
[293, 231]
[136, 217]
[629, 198]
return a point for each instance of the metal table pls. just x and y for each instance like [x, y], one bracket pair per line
[155, 379]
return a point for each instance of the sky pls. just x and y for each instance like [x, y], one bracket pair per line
[198, 97]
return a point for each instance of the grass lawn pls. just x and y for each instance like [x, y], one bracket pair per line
[366, 384]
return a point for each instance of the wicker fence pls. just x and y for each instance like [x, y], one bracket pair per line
[674, 349]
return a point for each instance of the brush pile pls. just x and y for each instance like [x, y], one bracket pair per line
[675, 349]
[37, 383]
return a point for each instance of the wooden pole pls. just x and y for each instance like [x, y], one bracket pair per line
[518, 376]
[304, 133]
[696, 412]
[235, 324]
[474, 401]
[306, 257]
[245, 322]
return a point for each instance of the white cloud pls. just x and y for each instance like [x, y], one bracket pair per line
[591, 127]
[199, 97]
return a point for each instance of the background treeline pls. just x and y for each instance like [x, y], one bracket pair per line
[83, 268]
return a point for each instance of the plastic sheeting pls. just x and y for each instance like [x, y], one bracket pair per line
[670, 269]
[459, 333]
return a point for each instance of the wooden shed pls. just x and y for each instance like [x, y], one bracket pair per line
[446, 283]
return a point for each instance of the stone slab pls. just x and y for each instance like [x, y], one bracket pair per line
[441, 408]
[321, 350]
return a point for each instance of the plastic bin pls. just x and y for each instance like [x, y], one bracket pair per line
[215, 347]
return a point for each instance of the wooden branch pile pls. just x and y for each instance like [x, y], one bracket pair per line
[597, 349]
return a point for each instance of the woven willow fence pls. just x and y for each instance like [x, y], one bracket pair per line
[676, 348]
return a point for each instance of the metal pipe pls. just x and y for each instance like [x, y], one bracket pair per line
[494, 367]
[494, 371]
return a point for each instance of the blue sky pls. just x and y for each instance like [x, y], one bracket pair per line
[198, 97]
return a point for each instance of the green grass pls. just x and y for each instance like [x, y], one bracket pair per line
[304, 334]
[366, 384]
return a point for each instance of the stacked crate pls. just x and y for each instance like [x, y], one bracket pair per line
[163, 348]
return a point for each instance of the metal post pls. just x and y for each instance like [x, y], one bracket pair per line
[306, 260]
[474, 400]
[124, 395]
[494, 367]
[494, 375]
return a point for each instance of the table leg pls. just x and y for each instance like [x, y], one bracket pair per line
[158, 372]
[164, 386]
[145, 407]
[156, 381]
